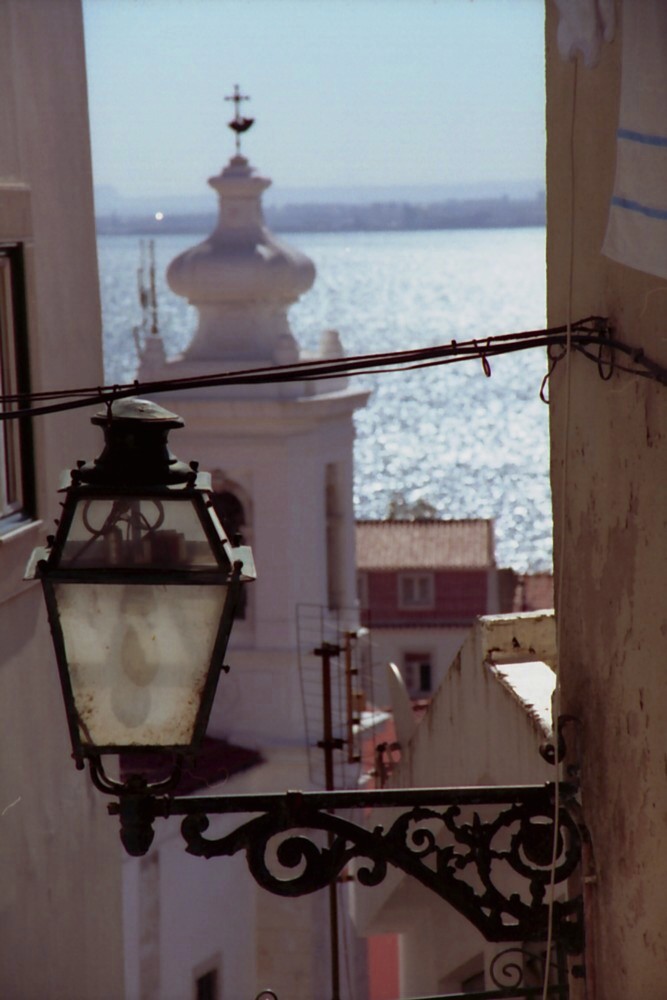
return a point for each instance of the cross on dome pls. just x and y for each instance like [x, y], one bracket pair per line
[238, 123]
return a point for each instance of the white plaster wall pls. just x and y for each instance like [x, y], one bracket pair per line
[275, 443]
[205, 918]
[438, 950]
[277, 451]
[214, 909]
[475, 732]
[389, 645]
[60, 900]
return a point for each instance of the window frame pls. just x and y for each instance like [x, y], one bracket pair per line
[333, 518]
[205, 975]
[362, 589]
[17, 482]
[414, 580]
[206, 985]
[413, 672]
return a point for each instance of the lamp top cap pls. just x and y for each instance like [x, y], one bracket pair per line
[136, 452]
[143, 411]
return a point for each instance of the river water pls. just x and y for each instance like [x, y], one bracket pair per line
[468, 445]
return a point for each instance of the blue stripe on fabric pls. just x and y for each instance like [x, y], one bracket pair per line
[636, 206]
[642, 137]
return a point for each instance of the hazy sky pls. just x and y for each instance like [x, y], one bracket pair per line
[344, 92]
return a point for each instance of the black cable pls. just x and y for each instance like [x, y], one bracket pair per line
[592, 331]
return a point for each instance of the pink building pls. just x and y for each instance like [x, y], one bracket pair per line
[421, 584]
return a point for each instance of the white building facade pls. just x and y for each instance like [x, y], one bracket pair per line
[60, 865]
[484, 726]
[281, 454]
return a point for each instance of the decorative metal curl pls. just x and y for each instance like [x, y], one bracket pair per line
[455, 853]
[317, 865]
[508, 967]
[120, 513]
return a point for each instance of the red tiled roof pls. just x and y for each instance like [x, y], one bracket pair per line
[425, 544]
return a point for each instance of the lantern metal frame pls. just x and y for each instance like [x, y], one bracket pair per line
[150, 473]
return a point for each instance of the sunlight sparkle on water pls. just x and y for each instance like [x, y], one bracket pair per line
[469, 445]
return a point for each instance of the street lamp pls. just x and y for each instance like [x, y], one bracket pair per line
[141, 584]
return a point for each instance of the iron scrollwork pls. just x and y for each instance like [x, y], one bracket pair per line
[494, 867]
[523, 968]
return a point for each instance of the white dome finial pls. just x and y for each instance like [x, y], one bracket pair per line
[241, 279]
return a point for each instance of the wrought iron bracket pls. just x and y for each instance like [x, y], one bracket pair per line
[490, 852]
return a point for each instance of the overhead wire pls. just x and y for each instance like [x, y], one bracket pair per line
[584, 336]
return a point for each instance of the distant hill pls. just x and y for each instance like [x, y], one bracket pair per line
[399, 216]
[478, 213]
[396, 215]
[417, 194]
[109, 201]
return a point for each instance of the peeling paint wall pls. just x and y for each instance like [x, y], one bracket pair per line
[609, 474]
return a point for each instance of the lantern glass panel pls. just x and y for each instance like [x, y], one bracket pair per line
[128, 533]
[138, 658]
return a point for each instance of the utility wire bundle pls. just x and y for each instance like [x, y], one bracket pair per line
[591, 337]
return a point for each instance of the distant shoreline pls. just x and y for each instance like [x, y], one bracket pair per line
[395, 216]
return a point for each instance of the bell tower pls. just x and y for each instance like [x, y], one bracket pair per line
[281, 453]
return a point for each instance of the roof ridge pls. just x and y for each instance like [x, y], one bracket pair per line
[423, 520]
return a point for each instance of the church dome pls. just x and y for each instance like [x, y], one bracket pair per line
[241, 279]
[240, 260]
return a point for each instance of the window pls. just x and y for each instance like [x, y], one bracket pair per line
[206, 986]
[334, 536]
[362, 590]
[418, 674]
[16, 487]
[415, 590]
[207, 979]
